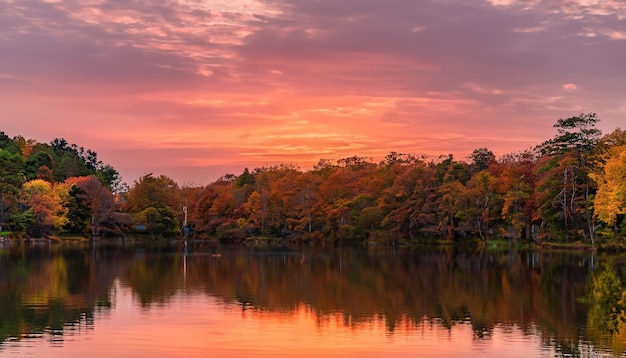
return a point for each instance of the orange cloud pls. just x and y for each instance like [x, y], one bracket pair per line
[190, 89]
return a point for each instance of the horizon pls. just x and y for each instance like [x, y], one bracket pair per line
[197, 90]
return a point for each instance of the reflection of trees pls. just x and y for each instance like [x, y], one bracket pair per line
[606, 297]
[154, 277]
[46, 290]
[449, 287]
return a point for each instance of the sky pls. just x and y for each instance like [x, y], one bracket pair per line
[195, 89]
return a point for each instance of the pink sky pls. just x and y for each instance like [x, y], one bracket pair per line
[195, 89]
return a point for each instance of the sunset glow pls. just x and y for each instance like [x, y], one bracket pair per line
[198, 89]
[198, 326]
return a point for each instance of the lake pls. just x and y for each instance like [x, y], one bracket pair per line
[109, 299]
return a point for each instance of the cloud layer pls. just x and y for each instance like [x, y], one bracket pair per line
[196, 89]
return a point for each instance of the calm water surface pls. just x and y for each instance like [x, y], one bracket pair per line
[108, 300]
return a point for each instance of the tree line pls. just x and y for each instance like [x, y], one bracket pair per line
[568, 188]
[56, 187]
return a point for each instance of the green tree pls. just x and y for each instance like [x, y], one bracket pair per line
[607, 302]
[559, 195]
[11, 171]
[40, 165]
[576, 137]
[162, 196]
[25, 146]
[245, 178]
[96, 198]
[481, 159]
[78, 211]
[578, 133]
[110, 178]
[159, 221]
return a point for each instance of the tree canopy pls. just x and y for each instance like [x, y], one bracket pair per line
[570, 187]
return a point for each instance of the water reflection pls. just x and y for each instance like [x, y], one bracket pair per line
[273, 300]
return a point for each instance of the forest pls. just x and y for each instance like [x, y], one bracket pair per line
[570, 188]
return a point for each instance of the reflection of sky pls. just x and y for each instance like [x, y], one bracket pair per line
[195, 325]
[197, 89]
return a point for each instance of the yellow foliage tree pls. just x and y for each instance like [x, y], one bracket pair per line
[46, 202]
[610, 200]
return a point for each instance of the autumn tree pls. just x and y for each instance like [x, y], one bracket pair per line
[409, 202]
[25, 146]
[482, 197]
[201, 210]
[451, 177]
[341, 198]
[301, 203]
[556, 193]
[516, 182]
[610, 200]
[269, 207]
[94, 197]
[24, 160]
[156, 202]
[45, 202]
[221, 211]
[324, 168]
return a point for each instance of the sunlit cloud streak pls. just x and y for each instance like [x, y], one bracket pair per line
[192, 88]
